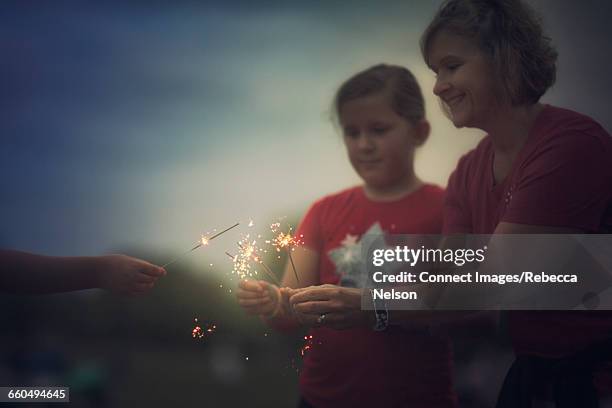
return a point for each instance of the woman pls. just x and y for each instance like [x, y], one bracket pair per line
[540, 169]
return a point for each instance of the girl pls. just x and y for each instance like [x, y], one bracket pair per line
[540, 169]
[382, 117]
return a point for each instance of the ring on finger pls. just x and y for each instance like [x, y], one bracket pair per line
[321, 319]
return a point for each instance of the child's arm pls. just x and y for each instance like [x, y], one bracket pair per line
[26, 273]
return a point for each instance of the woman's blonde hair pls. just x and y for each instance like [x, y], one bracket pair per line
[510, 33]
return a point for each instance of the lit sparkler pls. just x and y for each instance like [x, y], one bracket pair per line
[203, 241]
[248, 252]
[287, 242]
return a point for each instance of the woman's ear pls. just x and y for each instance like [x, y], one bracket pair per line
[422, 129]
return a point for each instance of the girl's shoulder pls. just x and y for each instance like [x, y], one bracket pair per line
[428, 198]
[340, 198]
[432, 190]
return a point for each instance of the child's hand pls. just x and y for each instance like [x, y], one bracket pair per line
[126, 275]
[259, 297]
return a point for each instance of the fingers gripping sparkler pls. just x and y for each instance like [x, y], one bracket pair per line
[204, 241]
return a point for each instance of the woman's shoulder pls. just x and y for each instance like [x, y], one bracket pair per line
[555, 122]
[563, 135]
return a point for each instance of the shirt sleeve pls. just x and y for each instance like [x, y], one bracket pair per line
[567, 183]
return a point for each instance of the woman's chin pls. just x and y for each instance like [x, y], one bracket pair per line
[459, 121]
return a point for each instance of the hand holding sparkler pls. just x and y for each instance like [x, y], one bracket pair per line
[331, 306]
[258, 297]
[262, 298]
[126, 275]
[25, 272]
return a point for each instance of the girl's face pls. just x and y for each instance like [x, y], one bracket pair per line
[379, 142]
[464, 80]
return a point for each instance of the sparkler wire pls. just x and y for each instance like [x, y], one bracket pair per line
[200, 244]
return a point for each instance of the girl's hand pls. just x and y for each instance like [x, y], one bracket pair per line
[259, 297]
[331, 306]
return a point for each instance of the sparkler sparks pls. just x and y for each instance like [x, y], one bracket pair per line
[199, 333]
[248, 253]
[287, 242]
[203, 241]
[308, 340]
[309, 343]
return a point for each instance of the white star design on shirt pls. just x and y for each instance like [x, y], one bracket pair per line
[350, 240]
[348, 258]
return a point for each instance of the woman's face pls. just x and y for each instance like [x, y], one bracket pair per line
[379, 142]
[464, 80]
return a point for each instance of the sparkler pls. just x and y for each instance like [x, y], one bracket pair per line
[250, 251]
[287, 242]
[203, 241]
[246, 254]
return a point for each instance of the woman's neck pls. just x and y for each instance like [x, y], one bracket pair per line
[395, 192]
[510, 127]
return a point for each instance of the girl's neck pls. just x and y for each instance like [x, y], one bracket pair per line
[510, 128]
[395, 192]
